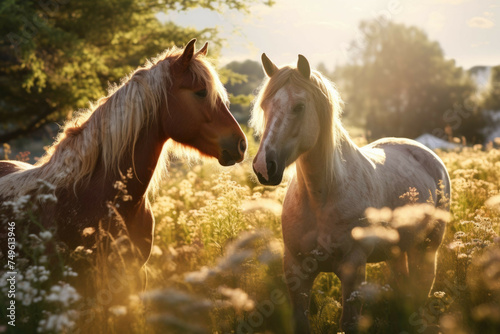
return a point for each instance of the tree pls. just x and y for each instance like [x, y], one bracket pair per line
[400, 84]
[57, 55]
[491, 98]
[242, 87]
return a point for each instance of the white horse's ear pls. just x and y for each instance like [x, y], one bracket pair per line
[268, 65]
[203, 50]
[188, 53]
[303, 67]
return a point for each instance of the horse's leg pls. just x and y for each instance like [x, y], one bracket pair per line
[352, 272]
[399, 273]
[299, 281]
[422, 264]
[401, 302]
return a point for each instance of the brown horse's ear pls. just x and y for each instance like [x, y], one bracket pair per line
[203, 50]
[188, 54]
[268, 65]
[303, 67]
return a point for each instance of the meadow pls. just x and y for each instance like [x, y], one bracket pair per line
[216, 264]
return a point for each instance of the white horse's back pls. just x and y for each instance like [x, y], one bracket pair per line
[407, 163]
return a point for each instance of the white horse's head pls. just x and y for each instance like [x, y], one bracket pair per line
[292, 111]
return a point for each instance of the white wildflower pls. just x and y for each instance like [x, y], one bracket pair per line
[46, 198]
[439, 294]
[19, 205]
[374, 234]
[456, 244]
[47, 185]
[63, 293]
[378, 215]
[37, 274]
[88, 231]
[199, 276]
[58, 323]
[26, 293]
[118, 310]
[119, 185]
[386, 288]
[45, 235]
[34, 237]
[156, 251]
[68, 272]
[238, 298]
[355, 295]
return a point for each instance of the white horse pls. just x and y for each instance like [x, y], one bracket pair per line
[297, 113]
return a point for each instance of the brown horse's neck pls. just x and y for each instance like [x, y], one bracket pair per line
[141, 159]
[143, 163]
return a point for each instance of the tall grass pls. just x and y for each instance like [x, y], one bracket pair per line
[216, 265]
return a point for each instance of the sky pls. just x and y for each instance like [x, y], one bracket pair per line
[467, 30]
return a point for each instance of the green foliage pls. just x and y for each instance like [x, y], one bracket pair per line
[242, 88]
[491, 99]
[400, 83]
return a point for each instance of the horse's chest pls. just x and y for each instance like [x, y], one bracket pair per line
[313, 231]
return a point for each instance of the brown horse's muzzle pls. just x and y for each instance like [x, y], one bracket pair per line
[232, 149]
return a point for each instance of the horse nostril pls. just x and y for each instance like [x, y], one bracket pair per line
[271, 168]
[242, 146]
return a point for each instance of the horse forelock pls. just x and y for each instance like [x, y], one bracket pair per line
[110, 128]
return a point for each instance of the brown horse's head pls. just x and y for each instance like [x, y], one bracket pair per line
[198, 114]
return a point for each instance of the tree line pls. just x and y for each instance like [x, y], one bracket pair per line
[57, 55]
[399, 83]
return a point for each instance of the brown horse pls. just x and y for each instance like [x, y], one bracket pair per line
[297, 112]
[176, 96]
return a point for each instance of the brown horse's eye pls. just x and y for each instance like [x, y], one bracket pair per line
[201, 93]
[299, 108]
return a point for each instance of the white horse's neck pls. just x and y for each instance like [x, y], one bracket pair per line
[312, 172]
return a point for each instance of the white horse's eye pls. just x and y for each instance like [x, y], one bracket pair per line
[299, 108]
